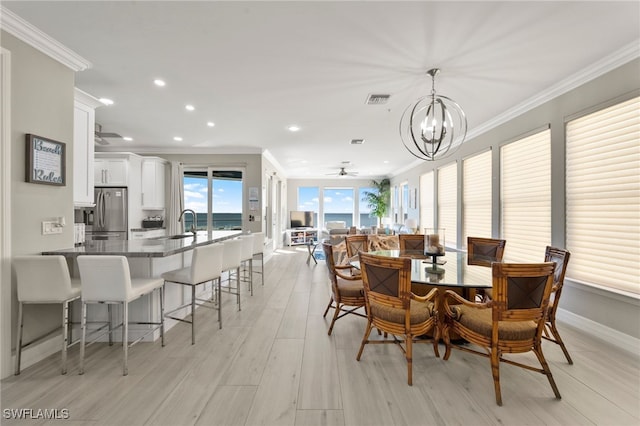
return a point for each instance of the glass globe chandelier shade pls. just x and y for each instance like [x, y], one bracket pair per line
[434, 127]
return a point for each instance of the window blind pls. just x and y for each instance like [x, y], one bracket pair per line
[426, 201]
[526, 197]
[603, 197]
[476, 196]
[448, 203]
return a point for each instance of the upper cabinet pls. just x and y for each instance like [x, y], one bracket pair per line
[83, 148]
[153, 183]
[111, 171]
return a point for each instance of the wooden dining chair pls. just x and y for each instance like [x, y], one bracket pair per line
[347, 293]
[561, 259]
[511, 323]
[355, 244]
[393, 309]
[483, 252]
[413, 242]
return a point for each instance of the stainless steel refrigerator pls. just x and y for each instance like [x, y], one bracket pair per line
[109, 215]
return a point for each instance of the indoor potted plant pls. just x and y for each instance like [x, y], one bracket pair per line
[378, 199]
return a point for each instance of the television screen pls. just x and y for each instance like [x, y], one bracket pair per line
[301, 219]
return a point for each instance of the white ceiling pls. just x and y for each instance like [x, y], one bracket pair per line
[254, 68]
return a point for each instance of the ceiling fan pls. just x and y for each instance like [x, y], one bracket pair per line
[101, 137]
[343, 173]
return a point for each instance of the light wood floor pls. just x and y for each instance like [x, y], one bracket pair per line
[273, 364]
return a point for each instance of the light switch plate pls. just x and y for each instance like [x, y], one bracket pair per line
[51, 228]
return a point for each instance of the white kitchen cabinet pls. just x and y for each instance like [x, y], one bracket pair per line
[153, 183]
[83, 148]
[111, 172]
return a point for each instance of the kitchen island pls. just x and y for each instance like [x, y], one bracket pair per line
[147, 258]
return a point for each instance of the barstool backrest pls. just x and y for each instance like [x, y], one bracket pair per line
[105, 278]
[247, 246]
[232, 255]
[42, 279]
[206, 263]
[258, 242]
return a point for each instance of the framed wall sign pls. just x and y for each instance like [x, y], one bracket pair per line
[46, 161]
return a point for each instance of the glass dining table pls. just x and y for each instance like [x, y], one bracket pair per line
[450, 270]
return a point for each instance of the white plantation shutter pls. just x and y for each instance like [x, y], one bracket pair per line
[603, 197]
[448, 202]
[526, 197]
[476, 196]
[426, 202]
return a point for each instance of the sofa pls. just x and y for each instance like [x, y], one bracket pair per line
[335, 231]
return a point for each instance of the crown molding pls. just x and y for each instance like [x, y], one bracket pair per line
[26, 32]
[603, 66]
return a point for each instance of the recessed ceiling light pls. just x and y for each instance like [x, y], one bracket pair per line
[189, 107]
[127, 138]
[293, 128]
[159, 83]
[106, 101]
[210, 123]
[386, 161]
[356, 141]
[177, 139]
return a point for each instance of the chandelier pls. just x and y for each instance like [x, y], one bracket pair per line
[434, 127]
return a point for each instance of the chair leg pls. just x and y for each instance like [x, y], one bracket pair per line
[125, 338]
[336, 312]
[251, 275]
[558, 339]
[193, 314]
[19, 337]
[365, 339]
[328, 306]
[238, 286]
[65, 334]
[109, 319]
[162, 314]
[447, 342]
[409, 355]
[262, 267]
[436, 339]
[547, 372]
[83, 337]
[219, 298]
[495, 371]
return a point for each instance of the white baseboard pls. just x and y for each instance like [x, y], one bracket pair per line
[602, 332]
[38, 352]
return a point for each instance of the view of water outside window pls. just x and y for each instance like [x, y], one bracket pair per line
[226, 202]
[309, 200]
[338, 205]
[366, 220]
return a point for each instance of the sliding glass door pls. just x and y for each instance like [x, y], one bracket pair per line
[215, 196]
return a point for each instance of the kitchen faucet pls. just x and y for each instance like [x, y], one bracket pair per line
[194, 223]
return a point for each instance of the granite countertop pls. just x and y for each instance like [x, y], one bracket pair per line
[146, 229]
[153, 247]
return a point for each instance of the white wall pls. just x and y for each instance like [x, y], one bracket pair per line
[41, 103]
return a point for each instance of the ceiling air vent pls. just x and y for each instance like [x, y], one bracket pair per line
[377, 99]
[356, 141]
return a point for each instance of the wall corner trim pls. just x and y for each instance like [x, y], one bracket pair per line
[28, 33]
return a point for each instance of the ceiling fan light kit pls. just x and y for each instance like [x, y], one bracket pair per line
[434, 126]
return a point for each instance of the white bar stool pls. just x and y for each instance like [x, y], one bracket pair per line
[231, 261]
[247, 259]
[44, 280]
[258, 250]
[206, 265]
[107, 279]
